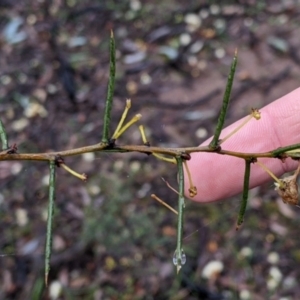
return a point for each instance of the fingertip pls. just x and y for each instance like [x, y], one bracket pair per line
[219, 177]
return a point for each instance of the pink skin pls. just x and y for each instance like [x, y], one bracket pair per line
[220, 176]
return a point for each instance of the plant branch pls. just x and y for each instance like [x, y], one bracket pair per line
[215, 141]
[48, 248]
[282, 150]
[245, 193]
[110, 89]
[3, 137]
[179, 259]
[173, 152]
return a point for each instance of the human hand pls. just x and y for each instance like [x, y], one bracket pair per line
[221, 176]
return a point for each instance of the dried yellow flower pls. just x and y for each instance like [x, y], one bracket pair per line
[255, 113]
[192, 191]
[288, 188]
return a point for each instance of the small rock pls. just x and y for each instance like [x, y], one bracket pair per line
[212, 269]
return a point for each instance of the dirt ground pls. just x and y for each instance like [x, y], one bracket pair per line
[111, 240]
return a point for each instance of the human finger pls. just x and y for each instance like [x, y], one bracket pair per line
[218, 176]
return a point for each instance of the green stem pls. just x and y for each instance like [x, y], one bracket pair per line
[179, 252]
[281, 150]
[48, 249]
[110, 89]
[3, 137]
[245, 193]
[215, 142]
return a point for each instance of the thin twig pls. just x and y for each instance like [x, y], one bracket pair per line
[48, 247]
[110, 89]
[164, 204]
[3, 137]
[169, 186]
[215, 141]
[245, 194]
[181, 205]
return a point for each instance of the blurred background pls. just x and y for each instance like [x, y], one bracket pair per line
[111, 240]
